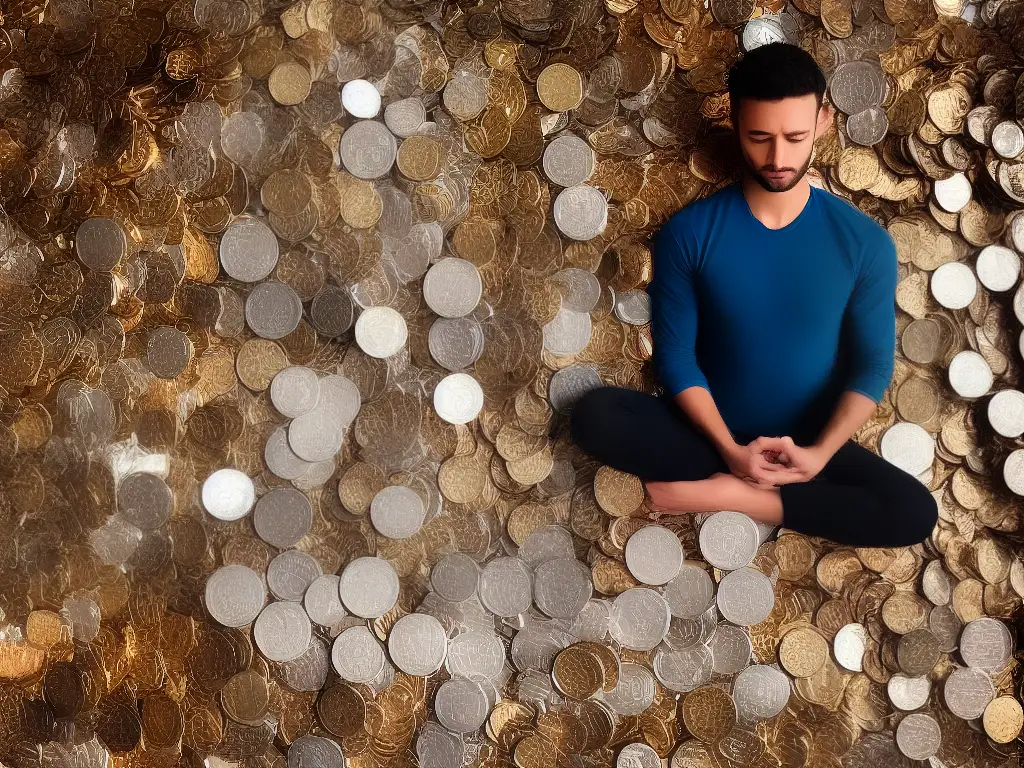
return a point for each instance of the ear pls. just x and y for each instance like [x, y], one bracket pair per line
[826, 116]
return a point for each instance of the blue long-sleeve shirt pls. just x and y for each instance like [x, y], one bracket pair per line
[776, 324]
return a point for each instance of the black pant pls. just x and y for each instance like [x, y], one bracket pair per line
[858, 499]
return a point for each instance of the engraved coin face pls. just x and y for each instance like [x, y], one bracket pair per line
[234, 595]
[249, 250]
[967, 692]
[986, 644]
[760, 692]
[417, 644]
[654, 555]
[368, 149]
[357, 656]
[729, 540]
[581, 212]
[640, 618]
[282, 631]
[369, 587]
[745, 597]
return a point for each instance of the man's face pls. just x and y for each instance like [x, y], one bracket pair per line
[777, 138]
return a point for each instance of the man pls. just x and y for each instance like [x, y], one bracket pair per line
[773, 320]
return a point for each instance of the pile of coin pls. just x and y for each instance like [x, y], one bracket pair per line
[295, 299]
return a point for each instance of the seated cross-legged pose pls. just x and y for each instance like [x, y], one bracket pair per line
[773, 322]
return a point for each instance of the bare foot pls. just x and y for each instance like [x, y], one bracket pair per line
[688, 497]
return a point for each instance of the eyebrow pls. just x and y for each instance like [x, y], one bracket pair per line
[766, 133]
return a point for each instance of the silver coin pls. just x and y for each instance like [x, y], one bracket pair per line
[690, 593]
[452, 287]
[417, 644]
[241, 137]
[282, 517]
[581, 212]
[640, 619]
[998, 267]
[593, 621]
[309, 671]
[405, 116]
[918, 736]
[857, 85]
[946, 626]
[249, 250]
[369, 587]
[461, 705]
[761, 31]
[908, 693]
[1006, 413]
[953, 285]
[568, 160]
[954, 193]
[549, 542]
[637, 755]
[381, 331]
[439, 748]
[458, 398]
[867, 127]
[729, 540]
[506, 586]
[633, 307]
[295, 390]
[455, 577]
[745, 597]
[397, 511]
[634, 693]
[144, 500]
[760, 692]
[281, 459]
[315, 752]
[317, 435]
[967, 692]
[475, 654]
[683, 670]
[228, 494]
[322, 600]
[562, 587]
[357, 656]
[536, 645]
[290, 574]
[567, 333]
[234, 595]
[849, 645]
[368, 149]
[937, 583]
[100, 243]
[1017, 576]
[168, 352]
[567, 385]
[970, 375]
[685, 633]
[465, 95]
[730, 648]
[1007, 139]
[986, 644]
[282, 631]
[273, 310]
[455, 343]
[654, 555]
[580, 289]
[909, 446]
[1013, 467]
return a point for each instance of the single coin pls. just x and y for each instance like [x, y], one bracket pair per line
[405, 116]
[281, 459]
[1007, 139]
[908, 693]
[458, 398]
[1013, 471]
[168, 352]
[144, 500]
[286, 192]
[474, 654]
[803, 651]
[289, 83]
[745, 597]
[857, 85]
[273, 310]
[1006, 412]
[417, 644]
[368, 149]
[360, 98]
[420, 158]
[690, 593]
[322, 600]
[577, 672]
[357, 656]
[761, 31]
[560, 87]
[868, 127]
[234, 595]
[970, 375]
[998, 267]
[290, 574]
[295, 390]
[397, 511]
[954, 193]
[282, 631]
[918, 736]
[730, 649]
[1003, 719]
[581, 211]
[455, 577]
[849, 645]
[506, 586]
[331, 312]
[635, 691]
[568, 160]
[654, 555]
[562, 587]
[249, 250]
[728, 540]
[633, 307]
[568, 333]
[908, 446]
[986, 644]
[918, 652]
[461, 705]
[309, 750]
[638, 755]
[456, 343]
[684, 669]
[282, 517]
[100, 243]
[569, 384]
[452, 287]
[709, 713]
[760, 693]
[967, 692]
[369, 587]
[953, 285]
[640, 619]
[381, 331]
[228, 494]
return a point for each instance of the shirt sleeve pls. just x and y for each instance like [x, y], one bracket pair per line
[674, 314]
[871, 322]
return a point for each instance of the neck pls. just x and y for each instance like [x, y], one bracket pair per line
[775, 209]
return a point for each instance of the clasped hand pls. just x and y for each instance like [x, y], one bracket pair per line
[768, 462]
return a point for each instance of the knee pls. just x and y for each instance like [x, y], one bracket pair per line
[592, 417]
[917, 512]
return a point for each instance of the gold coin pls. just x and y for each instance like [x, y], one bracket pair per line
[286, 192]
[560, 87]
[803, 651]
[420, 157]
[577, 672]
[618, 493]
[709, 713]
[342, 710]
[1003, 719]
[289, 83]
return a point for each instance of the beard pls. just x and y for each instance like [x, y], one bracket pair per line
[770, 185]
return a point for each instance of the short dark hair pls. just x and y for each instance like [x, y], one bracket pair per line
[773, 72]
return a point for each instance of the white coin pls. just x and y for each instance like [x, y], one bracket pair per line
[228, 494]
[397, 511]
[970, 375]
[357, 656]
[381, 331]
[954, 193]
[360, 98]
[458, 398]
[849, 645]
[998, 267]
[908, 446]
[954, 285]
[654, 555]
[1006, 412]
[369, 587]
[1013, 471]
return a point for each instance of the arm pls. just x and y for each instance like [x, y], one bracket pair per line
[674, 332]
[871, 324]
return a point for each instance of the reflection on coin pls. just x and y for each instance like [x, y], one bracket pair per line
[908, 693]
[357, 656]
[397, 511]
[360, 98]
[282, 631]
[381, 331]
[653, 555]
[228, 494]
[637, 755]
[369, 587]
[729, 540]
[234, 595]
[849, 644]
[417, 644]
[458, 398]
